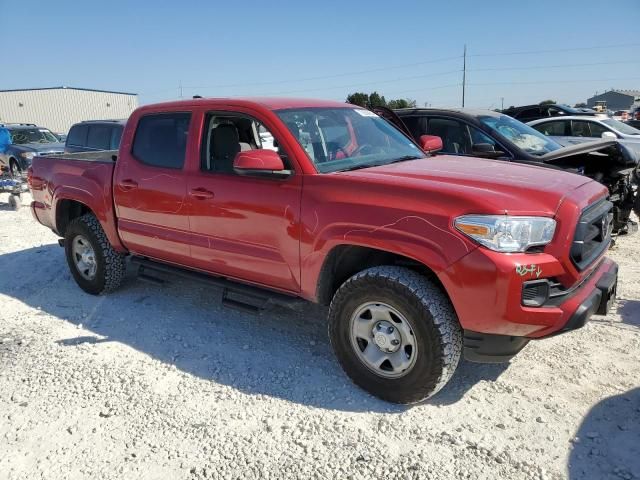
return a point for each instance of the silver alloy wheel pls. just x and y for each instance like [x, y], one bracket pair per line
[84, 257]
[383, 339]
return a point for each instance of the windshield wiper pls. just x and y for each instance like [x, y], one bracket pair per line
[404, 159]
[379, 164]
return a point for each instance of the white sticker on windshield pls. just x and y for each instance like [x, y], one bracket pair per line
[365, 113]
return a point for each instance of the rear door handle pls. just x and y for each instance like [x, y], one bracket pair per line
[128, 184]
[201, 193]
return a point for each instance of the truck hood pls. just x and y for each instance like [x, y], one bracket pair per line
[477, 185]
[578, 149]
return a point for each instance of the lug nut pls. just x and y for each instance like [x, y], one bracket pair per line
[379, 327]
[395, 341]
[390, 330]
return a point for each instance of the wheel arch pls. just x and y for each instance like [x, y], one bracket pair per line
[345, 260]
[68, 210]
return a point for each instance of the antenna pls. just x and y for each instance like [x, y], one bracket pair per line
[464, 72]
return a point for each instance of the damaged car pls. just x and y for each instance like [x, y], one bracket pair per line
[488, 134]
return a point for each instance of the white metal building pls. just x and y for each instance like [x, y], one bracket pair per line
[58, 108]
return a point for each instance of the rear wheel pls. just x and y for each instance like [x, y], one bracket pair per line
[14, 168]
[95, 265]
[395, 333]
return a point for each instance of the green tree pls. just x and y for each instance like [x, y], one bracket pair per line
[376, 100]
[548, 102]
[358, 98]
[401, 103]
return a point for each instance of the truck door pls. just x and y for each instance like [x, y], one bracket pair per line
[149, 188]
[244, 227]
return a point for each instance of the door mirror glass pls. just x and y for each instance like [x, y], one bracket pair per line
[262, 162]
[430, 143]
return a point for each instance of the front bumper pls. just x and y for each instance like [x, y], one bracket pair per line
[597, 296]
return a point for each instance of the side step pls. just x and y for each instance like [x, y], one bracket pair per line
[234, 295]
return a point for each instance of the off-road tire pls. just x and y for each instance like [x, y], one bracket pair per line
[435, 326]
[111, 266]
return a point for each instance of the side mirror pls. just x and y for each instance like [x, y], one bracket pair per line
[430, 143]
[260, 163]
[486, 150]
[609, 135]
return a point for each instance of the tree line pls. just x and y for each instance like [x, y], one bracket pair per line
[374, 99]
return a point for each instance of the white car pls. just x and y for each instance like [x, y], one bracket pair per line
[570, 130]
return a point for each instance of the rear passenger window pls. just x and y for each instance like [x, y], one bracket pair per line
[77, 136]
[161, 139]
[554, 129]
[99, 137]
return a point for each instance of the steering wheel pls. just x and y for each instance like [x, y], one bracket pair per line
[333, 154]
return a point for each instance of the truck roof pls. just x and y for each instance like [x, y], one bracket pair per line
[272, 103]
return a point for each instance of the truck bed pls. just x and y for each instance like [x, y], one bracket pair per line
[62, 182]
[100, 156]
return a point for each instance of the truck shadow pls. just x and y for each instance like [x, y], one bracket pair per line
[280, 352]
[629, 310]
[607, 444]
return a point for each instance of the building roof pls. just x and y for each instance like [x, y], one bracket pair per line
[66, 88]
[631, 93]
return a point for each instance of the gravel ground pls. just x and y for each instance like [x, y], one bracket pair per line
[164, 383]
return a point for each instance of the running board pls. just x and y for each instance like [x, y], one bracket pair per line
[234, 295]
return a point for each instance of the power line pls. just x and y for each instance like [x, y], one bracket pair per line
[428, 75]
[534, 67]
[531, 52]
[324, 77]
[582, 80]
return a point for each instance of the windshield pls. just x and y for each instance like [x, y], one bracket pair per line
[621, 127]
[32, 135]
[521, 135]
[347, 138]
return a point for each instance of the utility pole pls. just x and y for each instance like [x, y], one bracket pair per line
[502, 103]
[180, 88]
[464, 72]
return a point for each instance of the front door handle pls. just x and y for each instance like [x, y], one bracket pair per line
[128, 184]
[201, 193]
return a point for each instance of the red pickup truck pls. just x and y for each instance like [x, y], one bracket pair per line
[420, 257]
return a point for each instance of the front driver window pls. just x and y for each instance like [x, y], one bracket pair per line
[227, 134]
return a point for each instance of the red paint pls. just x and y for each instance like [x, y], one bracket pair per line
[258, 160]
[430, 143]
[277, 233]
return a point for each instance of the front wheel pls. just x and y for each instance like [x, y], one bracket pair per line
[395, 333]
[96, 267]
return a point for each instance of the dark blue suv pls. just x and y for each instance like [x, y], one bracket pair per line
[20, 142]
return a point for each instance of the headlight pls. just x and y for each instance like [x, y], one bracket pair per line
[504, 233]
[28, 155]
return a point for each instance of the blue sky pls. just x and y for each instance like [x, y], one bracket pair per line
[326, 49]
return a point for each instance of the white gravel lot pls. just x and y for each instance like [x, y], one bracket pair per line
[164, 383]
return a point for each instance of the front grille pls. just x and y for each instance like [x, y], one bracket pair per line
[593, 234]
